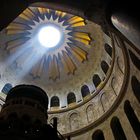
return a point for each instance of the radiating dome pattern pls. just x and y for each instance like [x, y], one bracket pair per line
[24, 42]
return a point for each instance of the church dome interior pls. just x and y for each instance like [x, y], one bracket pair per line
[88, 67]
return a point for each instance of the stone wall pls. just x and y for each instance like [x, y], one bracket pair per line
[130, 129]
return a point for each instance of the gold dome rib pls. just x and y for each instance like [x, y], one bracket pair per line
[82, 35]
[43, 10]
[14, 31]
[38, 68]
[60, 14]
[53, 68]
[80, 54]
[27, 14]
[86, 42]
[68, 64]
[16, 26]
[75, 19]
[14, 43]
[78, 24]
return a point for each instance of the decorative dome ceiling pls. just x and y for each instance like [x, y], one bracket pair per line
[77, 64]
[23, 33]
[61, 69]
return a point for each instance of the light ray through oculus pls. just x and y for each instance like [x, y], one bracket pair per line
[52, 40]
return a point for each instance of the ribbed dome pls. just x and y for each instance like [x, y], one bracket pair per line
[68, 67]
[91, 73]
[78, 74]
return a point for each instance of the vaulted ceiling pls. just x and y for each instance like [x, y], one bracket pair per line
[59, 70]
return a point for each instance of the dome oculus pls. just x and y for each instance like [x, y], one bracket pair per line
[49, 36]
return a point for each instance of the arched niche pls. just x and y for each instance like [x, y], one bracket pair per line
[89, 112]
[98, 135]
[104, 101]
[74, 121]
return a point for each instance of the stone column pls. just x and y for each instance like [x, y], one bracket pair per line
[107, 131]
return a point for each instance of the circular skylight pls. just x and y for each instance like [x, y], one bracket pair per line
[49, 36]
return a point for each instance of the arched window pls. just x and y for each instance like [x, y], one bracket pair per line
[6, 88]
[117, 129]
[135, 59]
[71, 98]
[96, 80]
[104, 66]
[108, 49]
[98, 135]
[136, 87]
[85, 90]
[55, 101]
[132, 118]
